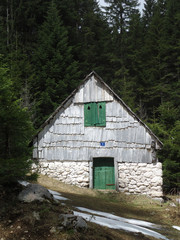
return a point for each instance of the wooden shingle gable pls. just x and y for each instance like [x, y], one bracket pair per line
[130, 111]
[78, 96]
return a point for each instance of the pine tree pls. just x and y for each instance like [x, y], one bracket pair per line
[89, 34]
[160, 55]
[167, 128]
[15, 133]
[148, 12]
[170, 53]
[119, 14]
[93, 39]
[162, 69]
[151, 59]
[15, 46]
[3, 29]
[26, 17]
[134, 63]
[56, 71]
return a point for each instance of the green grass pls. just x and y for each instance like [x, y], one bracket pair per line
[120, 204]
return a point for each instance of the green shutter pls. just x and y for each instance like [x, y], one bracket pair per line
[101, 113]
[95, 114]
[89, 114]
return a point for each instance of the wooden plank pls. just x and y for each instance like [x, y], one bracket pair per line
[91, 174]
[100, 93]
[66, 138]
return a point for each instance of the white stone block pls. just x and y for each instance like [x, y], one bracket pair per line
[142, 188]
[157, 180]
[142, 164]
[146, 183]
[158, 173]
[143, 170]
[138, 191]
[44, 165]
[156, 188]
[122, 185]
[51, 165]
[122, 175]
[121, 167]
[131, 190]
[132, 186]
[138, 184]
[138, 172]
[159, 165]
[148, 174]
[132, 182]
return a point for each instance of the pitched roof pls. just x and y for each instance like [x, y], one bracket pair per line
[98, 78]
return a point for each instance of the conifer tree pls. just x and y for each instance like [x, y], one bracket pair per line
[56, 71]
[119, 14]
[134, 64]
[89, 34]
[93, 39]
[15, 133]
[167, 128]
[161, 51]
[148, 12]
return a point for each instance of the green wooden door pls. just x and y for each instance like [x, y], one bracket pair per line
[103, 172]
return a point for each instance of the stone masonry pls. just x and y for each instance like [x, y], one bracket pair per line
[141, 178]
[75, 173]
[134, 178]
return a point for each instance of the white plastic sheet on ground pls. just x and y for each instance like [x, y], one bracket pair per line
[115, 222]
[57, 195]
[176, 227]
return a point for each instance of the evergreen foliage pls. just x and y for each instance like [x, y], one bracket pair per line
[15, 133]
[119, 15]
[49, 45]
[89, 34]
[56, 71]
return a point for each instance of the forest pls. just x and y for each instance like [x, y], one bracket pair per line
[48, 46]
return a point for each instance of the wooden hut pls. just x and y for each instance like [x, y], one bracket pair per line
[94, 140]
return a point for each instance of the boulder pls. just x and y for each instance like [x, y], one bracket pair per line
[34, 192]
[70, 221]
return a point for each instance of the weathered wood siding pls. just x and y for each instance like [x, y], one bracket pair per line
[66, 138]
[92, 92]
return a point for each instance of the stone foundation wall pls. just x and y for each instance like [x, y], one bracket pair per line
[76, 173]
[140, 178]
[135, 178]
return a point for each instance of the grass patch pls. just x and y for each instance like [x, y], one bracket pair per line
[121, 204]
